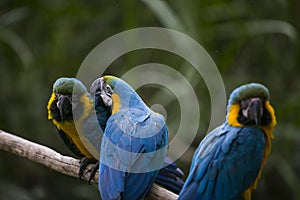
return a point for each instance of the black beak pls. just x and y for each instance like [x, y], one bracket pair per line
[101, 93]
[64, 105]
[255, 111]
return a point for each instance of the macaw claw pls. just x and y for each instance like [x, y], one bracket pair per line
[93, 171]
[84, 162]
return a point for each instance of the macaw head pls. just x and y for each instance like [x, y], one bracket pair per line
[68, 97]
[102, 91]
[116, 93]
[249, 106]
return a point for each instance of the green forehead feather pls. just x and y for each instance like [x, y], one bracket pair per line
[69, 86]
[248, 91]
[111, 80]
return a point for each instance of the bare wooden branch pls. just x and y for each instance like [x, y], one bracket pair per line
[62, 164]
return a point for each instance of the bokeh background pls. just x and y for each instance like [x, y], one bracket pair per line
[250, 41]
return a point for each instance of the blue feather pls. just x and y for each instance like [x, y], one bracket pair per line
[131, 131]
[223, 166]
[128, 162]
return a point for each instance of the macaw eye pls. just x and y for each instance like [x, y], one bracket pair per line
[108, 90]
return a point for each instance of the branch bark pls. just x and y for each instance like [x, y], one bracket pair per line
[62, 164]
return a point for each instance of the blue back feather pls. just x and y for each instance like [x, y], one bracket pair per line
[118, 163]
[225, 164]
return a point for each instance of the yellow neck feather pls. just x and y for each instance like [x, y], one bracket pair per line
[116, 103]
[88, 106]
[52, 98]
[233, 115]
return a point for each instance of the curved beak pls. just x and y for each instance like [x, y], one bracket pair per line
[101, 92]
[64, 104]
[255, 110]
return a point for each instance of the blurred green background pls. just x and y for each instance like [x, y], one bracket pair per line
[250, 41]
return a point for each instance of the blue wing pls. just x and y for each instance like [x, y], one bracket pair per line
[124, 172]
[225, 164]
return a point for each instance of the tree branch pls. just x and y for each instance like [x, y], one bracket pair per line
[62, 164]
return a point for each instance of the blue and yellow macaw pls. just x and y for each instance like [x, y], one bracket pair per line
[169, 177]
[84, 138]
[229, 160]
[71, 103]
[134, 144]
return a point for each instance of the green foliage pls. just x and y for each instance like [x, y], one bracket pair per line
[250, 41]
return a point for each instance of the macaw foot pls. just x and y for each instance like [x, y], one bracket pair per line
[93, 171]
[84, 162]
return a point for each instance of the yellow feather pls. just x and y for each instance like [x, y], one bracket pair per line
[52, 98]
[116, 103]
[88, 105]
[233, 114]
